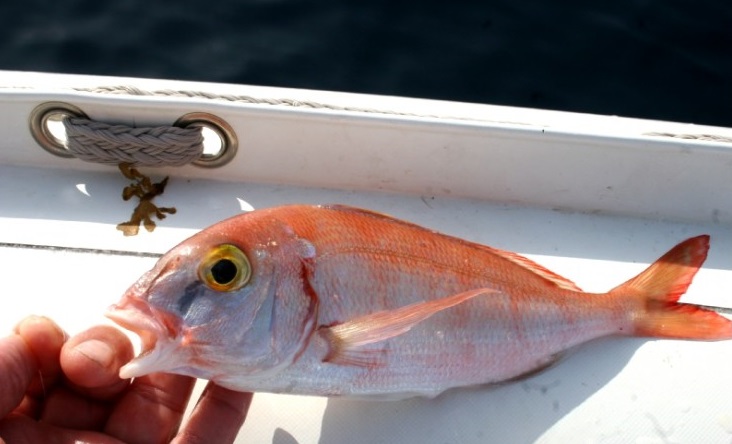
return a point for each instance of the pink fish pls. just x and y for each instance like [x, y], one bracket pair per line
[333, 300]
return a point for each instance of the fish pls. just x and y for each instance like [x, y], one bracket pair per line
[333, 300]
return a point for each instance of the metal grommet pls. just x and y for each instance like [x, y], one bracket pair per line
[219, 139]
[52, 112]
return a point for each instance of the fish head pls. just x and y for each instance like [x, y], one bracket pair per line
[232, 300]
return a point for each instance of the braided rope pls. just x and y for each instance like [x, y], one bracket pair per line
[113, 144]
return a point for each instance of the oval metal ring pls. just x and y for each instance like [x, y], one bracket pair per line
[222, 130]
[52, 111]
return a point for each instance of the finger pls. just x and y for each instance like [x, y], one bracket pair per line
[29, 406]
[91, 361]
[152, 409]
[17, 367]
[67, 409]
[19, 429]
[217, 417]
[45, 339]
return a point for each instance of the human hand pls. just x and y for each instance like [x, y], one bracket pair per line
[55, 389]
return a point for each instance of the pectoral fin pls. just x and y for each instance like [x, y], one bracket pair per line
[345, 339]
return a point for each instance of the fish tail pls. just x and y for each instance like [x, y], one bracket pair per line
[656, 291]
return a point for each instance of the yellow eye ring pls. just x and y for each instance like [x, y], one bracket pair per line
[225, 268]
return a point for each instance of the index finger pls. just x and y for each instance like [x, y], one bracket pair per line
[29, 364]
[45, 339]
[18, 366]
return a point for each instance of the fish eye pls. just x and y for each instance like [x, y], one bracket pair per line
[224, 271]
[225, 268]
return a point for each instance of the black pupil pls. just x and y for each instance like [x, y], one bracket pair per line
[223, 271]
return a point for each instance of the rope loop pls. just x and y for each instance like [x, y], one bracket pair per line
[100, 142]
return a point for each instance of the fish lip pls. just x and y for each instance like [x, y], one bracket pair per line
[137, 315]
[159, 332]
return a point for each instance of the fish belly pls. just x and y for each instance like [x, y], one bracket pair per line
[482, 341]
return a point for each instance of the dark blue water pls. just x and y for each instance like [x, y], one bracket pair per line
[662, 59]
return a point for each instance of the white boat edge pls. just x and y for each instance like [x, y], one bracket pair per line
[416, 146]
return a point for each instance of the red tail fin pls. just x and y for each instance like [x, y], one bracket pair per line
[658, 288]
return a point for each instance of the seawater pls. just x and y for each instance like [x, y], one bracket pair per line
[659, 59]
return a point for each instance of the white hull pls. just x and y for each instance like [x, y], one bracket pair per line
[593, 198]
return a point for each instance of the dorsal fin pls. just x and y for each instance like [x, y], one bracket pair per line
[373, 214]
[517, 259]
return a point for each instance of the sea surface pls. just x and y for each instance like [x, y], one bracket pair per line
[659, 59]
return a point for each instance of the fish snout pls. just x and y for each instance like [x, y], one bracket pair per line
[160, 333]
[148, 322]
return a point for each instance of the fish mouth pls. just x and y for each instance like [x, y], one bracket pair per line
[159, 332]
